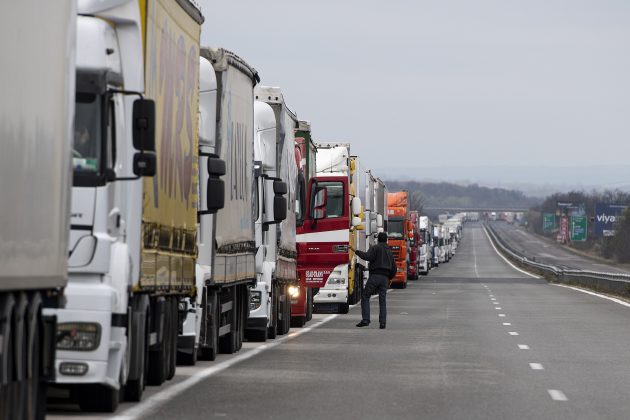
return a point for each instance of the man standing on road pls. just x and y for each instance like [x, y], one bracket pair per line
[382, 268]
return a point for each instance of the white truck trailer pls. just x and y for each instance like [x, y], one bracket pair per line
[134, 198]
[37, 40]
[218, 313]
[425, 256]
[276, 176]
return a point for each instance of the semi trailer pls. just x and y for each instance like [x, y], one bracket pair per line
[37, 40]
[279, 195]
[216, 314]
[135, 201]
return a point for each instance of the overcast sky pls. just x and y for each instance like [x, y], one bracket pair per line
[459, 82]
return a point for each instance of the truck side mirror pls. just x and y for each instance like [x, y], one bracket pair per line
[319, 203]
[379, 221]
[144, 164]
[144, 125]
[356, 221]
[279, 201]
[373, 227]
[215, 188]
[356, 206]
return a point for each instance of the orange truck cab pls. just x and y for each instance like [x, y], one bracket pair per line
[398, 231]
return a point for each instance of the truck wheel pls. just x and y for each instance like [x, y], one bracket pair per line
[6, 397]
[309, 304]
[238, 314]
[272, 331]
[174, 323]
[135, 388]
[35, 387]
[98, 398]
[284, 310]
[157, 358]
[344, 308]
[298, 321]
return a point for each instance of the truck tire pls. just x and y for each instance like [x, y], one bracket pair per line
[298, 321]
[344, 308]
[157, 358]
[309, 304]
[284, 322]
[98, 398]
[272, 331]
[35, 387]
[174, 330]
[135, 388]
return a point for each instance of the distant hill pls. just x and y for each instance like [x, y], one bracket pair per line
[535, 181]
[445, 194]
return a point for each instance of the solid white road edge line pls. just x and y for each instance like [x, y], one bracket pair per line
[506, 260]
[588, 292]
[557, 395]
[156, 400]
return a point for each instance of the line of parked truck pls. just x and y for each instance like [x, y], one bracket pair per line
[165, 206]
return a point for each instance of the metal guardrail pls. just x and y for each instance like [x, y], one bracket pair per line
[614, 283]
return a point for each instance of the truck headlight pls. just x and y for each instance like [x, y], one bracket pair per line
[294, 291]
[254, 300]
[336, 280]
[78, 336]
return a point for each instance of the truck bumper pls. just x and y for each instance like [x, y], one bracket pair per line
[101, 365]
[331, 296]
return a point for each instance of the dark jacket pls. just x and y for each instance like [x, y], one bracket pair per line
[380, 257]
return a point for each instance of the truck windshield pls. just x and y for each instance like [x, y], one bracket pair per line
[86, 150]
[334, 201]
[395, 228]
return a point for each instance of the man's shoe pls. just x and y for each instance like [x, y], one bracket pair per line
[382, 326]
[363, 324]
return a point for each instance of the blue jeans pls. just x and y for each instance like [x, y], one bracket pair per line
[377, 283]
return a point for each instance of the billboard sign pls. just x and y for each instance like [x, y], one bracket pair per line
[579, 225]
[549, 222]
[569, 208]
[606, 216]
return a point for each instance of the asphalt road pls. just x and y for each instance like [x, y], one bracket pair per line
[475, 339]
[549, 252]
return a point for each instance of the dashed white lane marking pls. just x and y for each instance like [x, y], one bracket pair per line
[523, 346]
[505, 259]
[513, 333]
[536, 366]
[493, 298]
[557, 395]
[588, 292]
[496, 303]
[502, 315]
[507, 323]
[498, 307]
